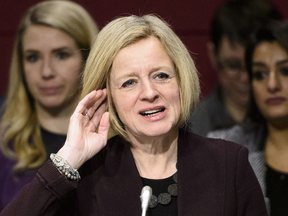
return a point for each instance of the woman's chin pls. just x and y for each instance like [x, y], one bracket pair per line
[155, 131]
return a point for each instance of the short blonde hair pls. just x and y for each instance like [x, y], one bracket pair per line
[124, 31]
[20, 124]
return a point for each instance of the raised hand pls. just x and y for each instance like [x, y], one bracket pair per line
[83, 142]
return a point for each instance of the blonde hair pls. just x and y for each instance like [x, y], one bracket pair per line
[124, 31]
[20, 126]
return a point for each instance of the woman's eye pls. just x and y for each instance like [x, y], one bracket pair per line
[235, 67]
[284, 71]
[128, 83]
[259, 75]
[62, 55]
[32, 58]
[162, 76]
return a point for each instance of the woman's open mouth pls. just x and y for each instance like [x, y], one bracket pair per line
[152, 112]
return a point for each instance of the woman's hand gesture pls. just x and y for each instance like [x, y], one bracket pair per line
[83, 142]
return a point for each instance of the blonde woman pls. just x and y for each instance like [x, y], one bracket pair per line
[145, 75]
[52, 44]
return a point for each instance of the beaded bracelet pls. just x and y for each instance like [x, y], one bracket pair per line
[65, 167]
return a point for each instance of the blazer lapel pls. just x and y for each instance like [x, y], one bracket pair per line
[200, 186]
[119, 188]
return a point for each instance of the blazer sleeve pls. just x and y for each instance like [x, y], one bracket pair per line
[250, 198]
[49, 193]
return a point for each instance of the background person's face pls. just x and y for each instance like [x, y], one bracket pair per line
[232, 73]
[52, 66]
[270, 80]
[144, 89]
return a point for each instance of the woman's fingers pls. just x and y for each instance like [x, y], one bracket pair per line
[90, 103]
[98, 102]
[104, 125]
[84, 104]
[83, 142]
[98, 113]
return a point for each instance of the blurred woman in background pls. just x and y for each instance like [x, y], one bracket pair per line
[265, 131]
[52, 44]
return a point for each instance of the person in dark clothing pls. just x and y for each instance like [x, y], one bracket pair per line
[231, 28]
[265, 129]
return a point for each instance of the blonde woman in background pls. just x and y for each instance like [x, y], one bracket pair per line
[51, 46]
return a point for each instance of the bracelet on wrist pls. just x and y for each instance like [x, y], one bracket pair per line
[64, 167]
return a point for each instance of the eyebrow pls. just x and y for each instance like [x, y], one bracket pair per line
[278, 63]
[54, 50]
[133, 73]
[258, 64]
[284, 61]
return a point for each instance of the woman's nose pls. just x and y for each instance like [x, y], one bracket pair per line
[47, 68]
[274, 82]
[148, 91]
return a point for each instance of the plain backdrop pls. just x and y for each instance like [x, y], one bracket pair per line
[190, 19]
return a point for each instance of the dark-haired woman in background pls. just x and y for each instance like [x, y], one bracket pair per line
[265, 131]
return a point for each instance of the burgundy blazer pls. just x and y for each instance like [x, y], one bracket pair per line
[214, 178]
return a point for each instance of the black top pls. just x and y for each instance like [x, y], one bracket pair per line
[277, 191]
[161, 186]
[52, 141]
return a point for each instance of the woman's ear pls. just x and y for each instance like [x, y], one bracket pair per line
[212, 55]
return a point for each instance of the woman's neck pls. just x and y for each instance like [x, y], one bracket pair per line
[157, 158]
[276, 148]
[55, 120]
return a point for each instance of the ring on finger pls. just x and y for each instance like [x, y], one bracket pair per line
[87, 115]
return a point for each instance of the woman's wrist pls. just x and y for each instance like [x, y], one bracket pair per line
[72, 157]
[64, 167]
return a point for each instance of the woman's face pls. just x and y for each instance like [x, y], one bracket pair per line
[52, 65]
[270, 80]
[144, 89]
